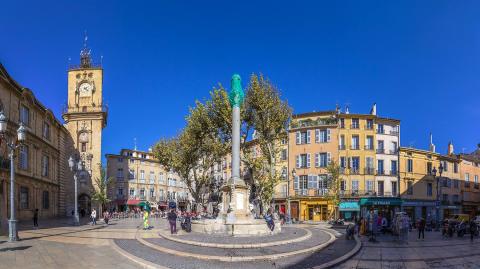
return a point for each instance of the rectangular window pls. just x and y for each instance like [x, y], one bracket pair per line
[132, 192]
[152, 192]
[24, 115]
[429, 168]
[161, 179]
[45, 200]
[120, 173]
[341, 143]
[84, 147]
[142, 193]
[45, 165]
[343, 185]
[394, 148]
[380, 129]
[342, 123]
[455, 184]
[321, 159]
[303, 137]
[467, 177]
[380, 147]
[369, 143]
[23, 158]
[380, 188]
[303, 160]
[284, 155]
[23, 198]
[455, 167]
[445, 197]
[120, 160]
[369, 125]
[393, 167]
[355, 185]
[475, 179]
[394, 188]
[120, 191]
[46, 131]
[410, 166]
[355, 142]
[370, 187]
[455, 198]
[355, 164]
[322, 136]
[429, 189]
[152, 177]
[380, 168]
[410, 188]
[355, 123]
[303, 183]
[142, 175]
[445, 166]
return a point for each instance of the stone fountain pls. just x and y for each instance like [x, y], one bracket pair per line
[235, 217]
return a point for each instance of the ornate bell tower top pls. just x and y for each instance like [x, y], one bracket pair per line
[85, 57]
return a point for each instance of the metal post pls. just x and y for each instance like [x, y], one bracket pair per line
[76, 220]
[438, 207]
[289, 216]
[12, 222]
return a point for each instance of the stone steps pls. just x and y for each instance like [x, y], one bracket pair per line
[319, 239]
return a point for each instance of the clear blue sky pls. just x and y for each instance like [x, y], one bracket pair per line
[419, 60]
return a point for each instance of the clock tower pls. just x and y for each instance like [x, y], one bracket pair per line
[85, 117]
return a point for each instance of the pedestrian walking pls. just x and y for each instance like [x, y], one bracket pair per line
[473, 229]
[93, 216]
[35, 219]
[421, 228]
[172, 220]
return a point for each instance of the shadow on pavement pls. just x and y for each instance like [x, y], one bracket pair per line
[15, 248]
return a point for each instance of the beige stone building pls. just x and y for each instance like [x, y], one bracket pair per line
[43, 178]
[137, 176]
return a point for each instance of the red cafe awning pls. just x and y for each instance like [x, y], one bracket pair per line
[133, 202]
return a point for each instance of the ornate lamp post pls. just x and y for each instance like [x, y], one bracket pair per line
[434, 173]
[12, 146]
[76, 167]
[289, 213]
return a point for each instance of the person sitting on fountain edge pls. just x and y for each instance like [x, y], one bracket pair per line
[269, 219]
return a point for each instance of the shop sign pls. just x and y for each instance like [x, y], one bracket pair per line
[349, 206]
[418, 203]
[375, 201]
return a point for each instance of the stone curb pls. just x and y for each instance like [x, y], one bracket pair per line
[238, 246]
[143, 263]
[237, 259]
[351, 253]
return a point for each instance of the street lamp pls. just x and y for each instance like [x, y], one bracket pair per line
[289, 213]
[76, 167]
[12, 146]
[434, 172]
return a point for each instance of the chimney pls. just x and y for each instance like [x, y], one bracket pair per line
[374, 109]
[450, 148]
[347, 111]
[432, 146]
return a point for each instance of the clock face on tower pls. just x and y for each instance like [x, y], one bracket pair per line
[85, 89]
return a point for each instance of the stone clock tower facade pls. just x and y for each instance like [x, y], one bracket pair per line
[85, 117]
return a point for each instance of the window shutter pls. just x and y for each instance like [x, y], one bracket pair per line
[298, 138]
[308, 160]
[308, 137]
[317, 135]
[317, 160]
[295, 183]
[329, 158]
[315, 182]
[298, 160]
[328, 135]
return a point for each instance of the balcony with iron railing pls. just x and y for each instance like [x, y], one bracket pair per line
[393, 172]
[355, 147]
[301, 192]
[394, 133]
[365, 193]
[368, 147]
[368, 127]
[354, 126]
[380, 131]
[354, 171]
[381, 172]
[380, 151]
[393, 152]
[369, 171]
[341, 147]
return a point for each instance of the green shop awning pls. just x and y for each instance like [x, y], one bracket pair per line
[372, 201]
[349, 206]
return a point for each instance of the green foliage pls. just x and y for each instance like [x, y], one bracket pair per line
[334, 181]
[99, 194]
